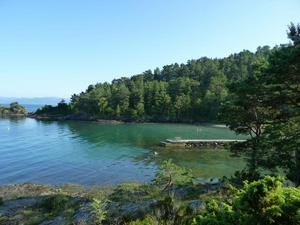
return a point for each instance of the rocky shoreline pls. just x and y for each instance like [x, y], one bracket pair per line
[86, 118]
[72, 204]
[13, 110]
[73, 118]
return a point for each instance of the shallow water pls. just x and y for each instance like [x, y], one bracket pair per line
[91, 153]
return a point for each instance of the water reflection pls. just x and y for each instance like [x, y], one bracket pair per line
[203, 162]
[90, 153]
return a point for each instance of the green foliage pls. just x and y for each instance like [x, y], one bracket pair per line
[33, 217]
[244, 113]
[183, 93]
[4, 220]
[134, 192]
[99, 205]
[147, 221]
[171, 211]
[55, 204]
[170, 175]
[1, 201]
[281, 85]
[263, 202]
[244, 175]
[266, 106]
[62, 108]
[257, 94]
[294, 33]
[13, 109]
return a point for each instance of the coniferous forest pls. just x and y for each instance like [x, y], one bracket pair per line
[191, 92]
[255, 94]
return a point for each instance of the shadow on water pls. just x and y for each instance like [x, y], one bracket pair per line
[203, 162]
[145, 135]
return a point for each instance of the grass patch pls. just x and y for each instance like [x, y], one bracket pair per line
[134, 192]
[73, 189]
[36, 220]
[55, 203]
[147, 221]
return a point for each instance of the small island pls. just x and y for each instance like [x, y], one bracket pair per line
[14, 109]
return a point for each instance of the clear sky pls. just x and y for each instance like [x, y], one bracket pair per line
[59, 47]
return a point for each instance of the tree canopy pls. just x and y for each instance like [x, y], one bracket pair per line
[266, 106]
[180, 93]
[265, 202]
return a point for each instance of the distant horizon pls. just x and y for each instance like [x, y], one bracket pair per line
[37, 97]
[32, 100]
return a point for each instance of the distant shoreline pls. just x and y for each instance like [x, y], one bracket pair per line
[114, 121]
[70, 118]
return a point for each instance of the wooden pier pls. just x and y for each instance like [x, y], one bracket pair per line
[191, 143]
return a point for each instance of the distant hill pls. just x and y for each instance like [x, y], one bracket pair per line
[32, 101]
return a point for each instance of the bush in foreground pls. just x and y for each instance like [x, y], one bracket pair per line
[263, 202]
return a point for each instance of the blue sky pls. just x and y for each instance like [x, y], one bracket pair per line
[59, 47]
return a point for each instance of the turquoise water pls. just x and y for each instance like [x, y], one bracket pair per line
[91, 153]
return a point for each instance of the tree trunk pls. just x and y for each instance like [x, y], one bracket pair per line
[297, 167]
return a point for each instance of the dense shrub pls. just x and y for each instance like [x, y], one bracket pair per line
[99, 205]
[62, 108]
[263, 202]
[55, 203]
[170, 175]
[147, 221]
